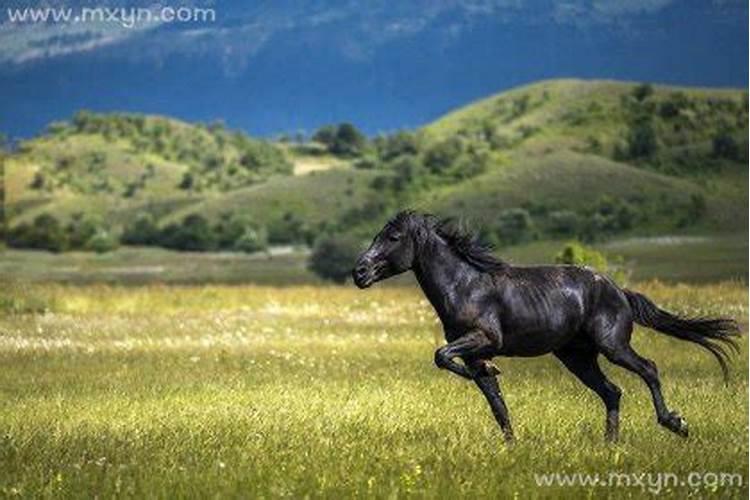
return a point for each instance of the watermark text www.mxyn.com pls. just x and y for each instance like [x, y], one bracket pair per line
[653, 482]
[127, 17]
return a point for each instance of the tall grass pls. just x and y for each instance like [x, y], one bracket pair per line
[209, 391]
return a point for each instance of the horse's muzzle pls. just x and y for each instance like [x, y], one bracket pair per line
[362, 274]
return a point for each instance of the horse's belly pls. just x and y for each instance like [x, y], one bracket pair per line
[532, 344]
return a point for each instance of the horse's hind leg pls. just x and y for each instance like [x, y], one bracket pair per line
[582, 362]
[617, 349]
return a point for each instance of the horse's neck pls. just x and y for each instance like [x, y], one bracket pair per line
[438, 270]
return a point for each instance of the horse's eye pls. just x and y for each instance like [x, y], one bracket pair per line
[394, 237]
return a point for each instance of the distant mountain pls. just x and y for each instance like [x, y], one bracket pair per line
[283, 66]
[560, 158]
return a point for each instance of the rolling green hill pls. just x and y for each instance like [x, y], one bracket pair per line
[561, 158]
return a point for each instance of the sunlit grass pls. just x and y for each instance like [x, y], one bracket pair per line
[324, 391]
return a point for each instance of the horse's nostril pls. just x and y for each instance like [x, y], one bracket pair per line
[360, 270]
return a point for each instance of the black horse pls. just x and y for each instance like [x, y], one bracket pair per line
[490, 308]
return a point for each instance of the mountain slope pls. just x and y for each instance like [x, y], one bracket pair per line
[567, 158]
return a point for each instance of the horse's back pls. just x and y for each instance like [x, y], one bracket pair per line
[543, 308]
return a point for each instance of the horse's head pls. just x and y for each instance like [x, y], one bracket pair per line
[391, 252]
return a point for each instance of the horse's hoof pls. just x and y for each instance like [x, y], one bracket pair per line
[611, 437]
[675, 423]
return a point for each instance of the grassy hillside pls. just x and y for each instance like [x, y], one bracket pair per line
[562, 158]
[568, 143]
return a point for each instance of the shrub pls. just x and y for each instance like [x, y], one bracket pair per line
[252, 240]
[288, 229]
[564, 223]
[513, 226]
[143, 231]
[45, 233]
[80, 230]
[102, 242]
[333, 257]
[642, 91]
[398, 144]
[724, 145]
[671, 107]
[576, 254]
[193, 234]
[442, 155]
[641, 138]
[341, 140]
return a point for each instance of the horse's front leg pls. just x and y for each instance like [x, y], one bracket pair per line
[487, 383]
[467, 346]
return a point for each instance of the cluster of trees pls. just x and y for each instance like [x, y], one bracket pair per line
[45, 232]
[343, 139]
[605, 217]
[666, 131]
[196, 233]
[409, 165]
[193, 233]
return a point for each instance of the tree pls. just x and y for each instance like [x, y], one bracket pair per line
[45, 233]
[349, 141]
[394, 145]
[102, 242]
[333, 257]
[513, 226]
[80, 230]
[252, 240]
[576, 254]
[142, 231]
[442, 155]
[341, 140]
[643, 91]
[642, 138]
[724, 145]
[193, 234]
[325, 135]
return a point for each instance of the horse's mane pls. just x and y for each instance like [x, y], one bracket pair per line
[465, 243]
[468, 246]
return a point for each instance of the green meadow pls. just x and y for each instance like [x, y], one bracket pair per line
[321, 391]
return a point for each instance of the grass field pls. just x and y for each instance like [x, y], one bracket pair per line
[247, 391]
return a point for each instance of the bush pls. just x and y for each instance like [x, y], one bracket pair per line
[642, 138]
[193, 234]
[724, 145]
[252, 240]
[442, 155]
[45, 233]
[512, 226]
[398, 144]
[341, 140]
[80, 230]
[643, 91]
[564, 223]
[102, 242]
[143, 231]
[333, 257]
[576, 254]
[671, 107]
[288, 229]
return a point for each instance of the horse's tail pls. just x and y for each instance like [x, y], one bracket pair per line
[713, 334]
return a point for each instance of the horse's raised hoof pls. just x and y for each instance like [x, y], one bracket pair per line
[675, 423]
